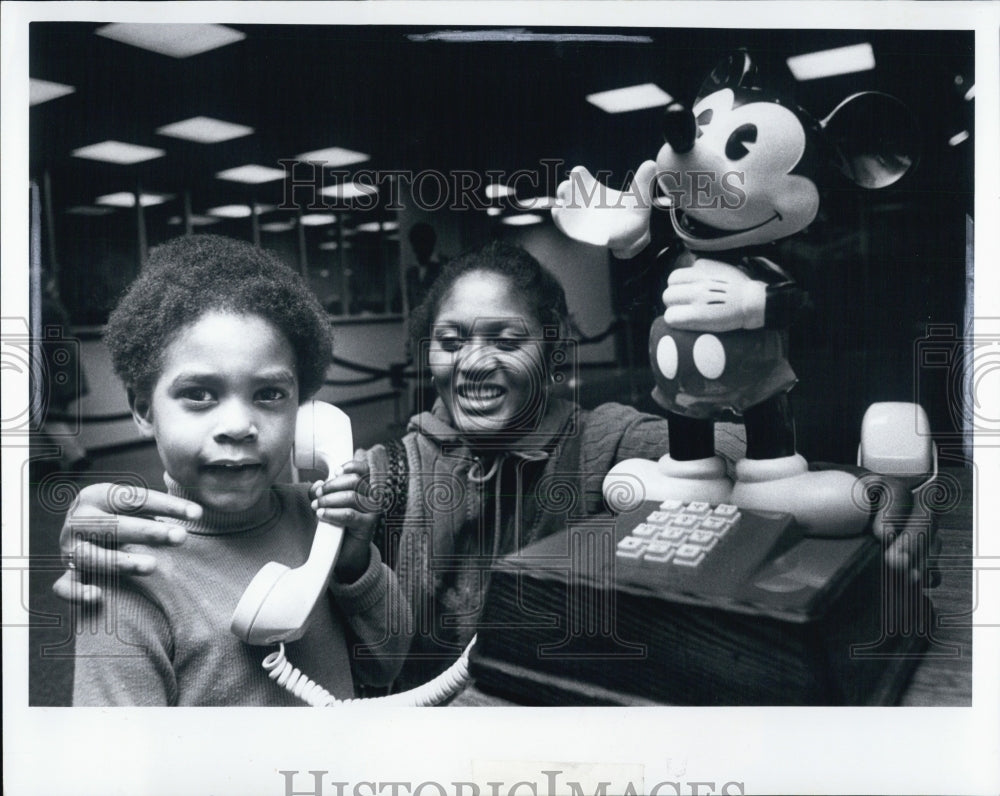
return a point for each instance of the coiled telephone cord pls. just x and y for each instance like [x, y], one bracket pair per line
[433, 692]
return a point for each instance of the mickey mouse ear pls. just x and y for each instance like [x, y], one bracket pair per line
[875, 137]
[736, 69]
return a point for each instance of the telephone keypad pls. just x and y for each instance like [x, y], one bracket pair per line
[679, 534]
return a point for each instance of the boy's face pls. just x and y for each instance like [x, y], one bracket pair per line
[223, 409]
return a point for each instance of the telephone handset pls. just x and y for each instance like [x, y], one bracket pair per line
[276, 605]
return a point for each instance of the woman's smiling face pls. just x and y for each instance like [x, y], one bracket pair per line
[486, 357]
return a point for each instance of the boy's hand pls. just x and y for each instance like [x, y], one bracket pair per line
[105, 516]
[343, 500]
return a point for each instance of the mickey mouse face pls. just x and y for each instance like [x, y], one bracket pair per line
[732, 185]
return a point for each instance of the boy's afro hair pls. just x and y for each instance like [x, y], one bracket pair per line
[189, 276]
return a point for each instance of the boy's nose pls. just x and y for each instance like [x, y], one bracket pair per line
[237, 422]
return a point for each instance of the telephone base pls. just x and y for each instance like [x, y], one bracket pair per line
[778, 620]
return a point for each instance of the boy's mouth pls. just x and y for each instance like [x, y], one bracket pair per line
[232, 468]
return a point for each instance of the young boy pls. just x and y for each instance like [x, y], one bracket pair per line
[218, 343]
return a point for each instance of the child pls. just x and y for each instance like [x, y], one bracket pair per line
[218, 343]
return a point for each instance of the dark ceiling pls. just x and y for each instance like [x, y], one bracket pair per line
[437, 105]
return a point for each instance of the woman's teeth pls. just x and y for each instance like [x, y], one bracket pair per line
[481, 393]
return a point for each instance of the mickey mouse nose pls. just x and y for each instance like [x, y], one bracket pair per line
[679, 127]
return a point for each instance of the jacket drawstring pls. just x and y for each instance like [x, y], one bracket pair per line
[496, 471]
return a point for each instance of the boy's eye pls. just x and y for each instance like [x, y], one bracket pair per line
[271, 394]
[197, 395]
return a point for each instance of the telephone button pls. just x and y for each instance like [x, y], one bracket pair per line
[689, 555]
[645, 530]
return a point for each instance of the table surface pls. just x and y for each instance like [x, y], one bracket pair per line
[943, 676]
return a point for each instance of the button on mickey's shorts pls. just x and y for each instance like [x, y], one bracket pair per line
[706, 374]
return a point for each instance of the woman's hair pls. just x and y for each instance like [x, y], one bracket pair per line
[531, 282]
[189, 276]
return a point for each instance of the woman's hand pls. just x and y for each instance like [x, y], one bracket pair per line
[105, 516]
[343, 500]
[906, 527]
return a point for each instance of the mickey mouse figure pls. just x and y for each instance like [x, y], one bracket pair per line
[741, 169]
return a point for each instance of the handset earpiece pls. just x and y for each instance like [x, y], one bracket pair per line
[277, 603]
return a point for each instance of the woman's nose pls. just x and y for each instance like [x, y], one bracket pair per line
[679, 127]
[236, 422]
[478, 354]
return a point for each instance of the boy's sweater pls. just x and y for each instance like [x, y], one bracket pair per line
[164, 638]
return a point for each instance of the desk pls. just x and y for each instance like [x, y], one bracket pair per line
[943, 677]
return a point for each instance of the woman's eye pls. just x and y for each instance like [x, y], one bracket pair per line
[509, 343]
[736, 146]
[450, 343]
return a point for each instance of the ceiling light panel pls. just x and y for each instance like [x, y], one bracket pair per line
[40, 91]
[522, 220]
[277, 226]
[827, 63]
[349, 190]
[497, 190]
[334, 156]
[251, 174]
[317, 219]
[375, 226]
[177, 40]
[205, 130]
[230, 211]
[196, 221]
[118, 152]
[630, 98]
[127, 199]
[89, 210]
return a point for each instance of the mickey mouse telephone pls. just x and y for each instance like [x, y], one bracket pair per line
[740, 169]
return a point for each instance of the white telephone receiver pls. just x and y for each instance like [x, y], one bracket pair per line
[275, 607]
[277, 603]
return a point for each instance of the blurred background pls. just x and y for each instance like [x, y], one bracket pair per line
[330, 145]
